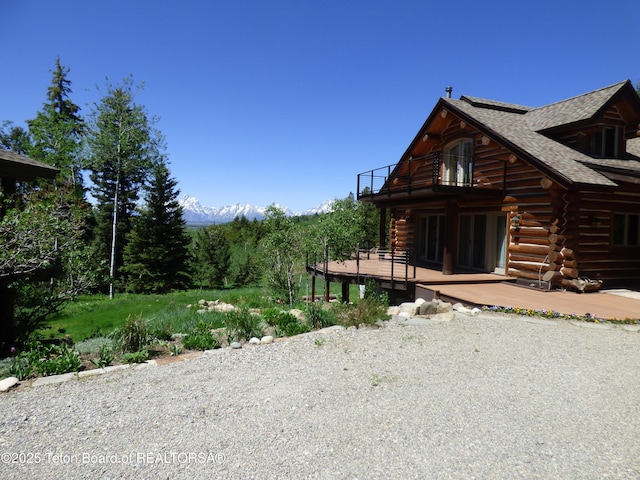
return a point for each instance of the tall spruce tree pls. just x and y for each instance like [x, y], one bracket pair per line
[157, 249]
[56, 132]
[124, 146]
[211, 256]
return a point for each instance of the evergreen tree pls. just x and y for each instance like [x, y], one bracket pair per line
[123, 145]
[211, 255]
[15, 139]
[56, 132]
[157, 248]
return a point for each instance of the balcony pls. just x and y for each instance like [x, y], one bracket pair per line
[432, 173]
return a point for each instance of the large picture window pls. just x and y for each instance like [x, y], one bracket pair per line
[457, 166]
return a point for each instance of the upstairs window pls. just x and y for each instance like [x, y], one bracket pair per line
[626, 229]
[605, 143]
[457, 165]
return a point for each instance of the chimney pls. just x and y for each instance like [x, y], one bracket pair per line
[448, 90]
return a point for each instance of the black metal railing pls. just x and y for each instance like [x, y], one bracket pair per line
[392, 266]
[428, 172]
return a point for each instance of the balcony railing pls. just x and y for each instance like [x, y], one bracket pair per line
[428, 173]
[391, 266]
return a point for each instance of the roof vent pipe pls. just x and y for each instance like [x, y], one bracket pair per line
[448, 90]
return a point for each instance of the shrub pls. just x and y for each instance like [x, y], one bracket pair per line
[201, 338]
[133, 336]
[41, 359]
[94, 345]
[365, 312]
[140, 356]
[288, 325]
[242, 325]
[319, 316]
[105, 356]
[371, 293]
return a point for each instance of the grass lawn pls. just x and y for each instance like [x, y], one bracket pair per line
[89, 314]
[92, 315]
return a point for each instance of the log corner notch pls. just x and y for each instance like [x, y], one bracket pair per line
[565, 272]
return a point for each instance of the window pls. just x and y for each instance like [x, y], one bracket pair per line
[626, 229]
[457, 166]
[604, 142]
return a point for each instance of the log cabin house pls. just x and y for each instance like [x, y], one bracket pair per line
[550, 192]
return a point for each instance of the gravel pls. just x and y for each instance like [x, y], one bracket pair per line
[492, 396]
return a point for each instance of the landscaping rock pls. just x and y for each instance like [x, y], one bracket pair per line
[393, 310]
[429, 308]
[411, 308]
[254, 341]
[299, 314]
[267, 339]
[235, 345]
[7, 383]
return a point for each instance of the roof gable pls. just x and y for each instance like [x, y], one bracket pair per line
[574, 110]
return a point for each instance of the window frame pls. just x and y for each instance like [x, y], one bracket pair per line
[625, 230]
[455, 172]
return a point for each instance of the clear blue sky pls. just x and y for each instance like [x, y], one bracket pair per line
[287, 101]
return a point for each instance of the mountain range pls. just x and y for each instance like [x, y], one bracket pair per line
[196, 213]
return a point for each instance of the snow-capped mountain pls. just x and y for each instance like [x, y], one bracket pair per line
[195, 212]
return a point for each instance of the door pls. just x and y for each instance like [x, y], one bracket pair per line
[482, 240]
[431, 237]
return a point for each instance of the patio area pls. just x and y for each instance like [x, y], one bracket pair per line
[481, 289]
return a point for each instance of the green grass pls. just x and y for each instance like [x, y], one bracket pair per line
[98, 315]
[87, 315]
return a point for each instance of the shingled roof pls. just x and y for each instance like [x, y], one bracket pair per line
[522, 129]
[19, 167]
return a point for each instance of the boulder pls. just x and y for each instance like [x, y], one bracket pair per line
[7, 383]
[267, 339]
[410, 307]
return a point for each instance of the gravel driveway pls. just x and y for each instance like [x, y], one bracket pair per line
[488, 397]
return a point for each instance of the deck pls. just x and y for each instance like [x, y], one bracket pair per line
[482, 289]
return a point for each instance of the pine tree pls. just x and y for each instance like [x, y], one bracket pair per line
[157, 248]
[124, 146]
[212, 256]
[57, 131]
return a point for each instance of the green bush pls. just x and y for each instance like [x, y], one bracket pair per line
[94, 345]
[365, 312]
[242, 325]
[133, 336]
[319, 316]
[288, 325]
[201, 338]
[140, 356]
[41, 359]
[105, 356]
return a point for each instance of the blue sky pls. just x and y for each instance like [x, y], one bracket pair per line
[287, 101]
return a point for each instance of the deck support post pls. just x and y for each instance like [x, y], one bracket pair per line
[345, 292]
[313, 288]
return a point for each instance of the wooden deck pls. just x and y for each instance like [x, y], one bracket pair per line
[480, 289]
